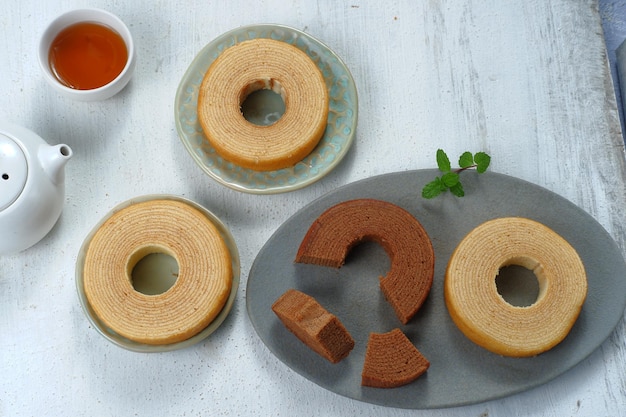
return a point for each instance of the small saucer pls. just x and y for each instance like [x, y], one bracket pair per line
[333, 146]
[126, 343]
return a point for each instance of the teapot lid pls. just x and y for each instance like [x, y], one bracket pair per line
[13, 171]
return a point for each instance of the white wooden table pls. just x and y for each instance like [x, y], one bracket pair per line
[528, 82]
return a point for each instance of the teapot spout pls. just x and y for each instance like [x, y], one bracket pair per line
[53, 160]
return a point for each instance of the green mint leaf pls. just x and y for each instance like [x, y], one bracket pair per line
[442, 161]
[450, 179]
[457, 190]
[433, 188]
[482, 161]
[466, 160]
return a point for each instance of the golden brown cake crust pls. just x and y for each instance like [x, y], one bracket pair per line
[313, 325]
[391, 360]
[484, 316]
[341, 227]
[157, 226]
[263, 64]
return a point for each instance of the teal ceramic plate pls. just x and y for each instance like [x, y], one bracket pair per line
[122, 341]
[460, 372]
[333, 146]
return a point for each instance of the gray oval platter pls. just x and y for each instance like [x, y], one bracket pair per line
[461, 372]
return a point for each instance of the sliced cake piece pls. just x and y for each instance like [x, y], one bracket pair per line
[391, 360]
[313, 325]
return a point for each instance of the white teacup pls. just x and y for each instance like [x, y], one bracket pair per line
[97, 16]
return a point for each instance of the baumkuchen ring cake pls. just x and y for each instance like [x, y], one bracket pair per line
[263, 64]
[341, 227]
[484, 316]
[165, 226]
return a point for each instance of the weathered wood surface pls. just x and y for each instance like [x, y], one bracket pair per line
[528, 82]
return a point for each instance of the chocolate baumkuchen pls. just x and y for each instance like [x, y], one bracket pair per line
[313, 325]
[341, 227]
[391, 360]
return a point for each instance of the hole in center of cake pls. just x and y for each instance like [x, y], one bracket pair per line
[262, 102]
[517, 285]
[154, 274]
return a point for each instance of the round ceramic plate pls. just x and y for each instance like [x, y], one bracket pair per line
[333, 146]
[122, 341]
[461, 372]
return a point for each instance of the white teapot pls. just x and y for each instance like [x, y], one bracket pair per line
[32, 187]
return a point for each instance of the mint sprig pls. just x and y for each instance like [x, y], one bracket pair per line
[451, 180]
